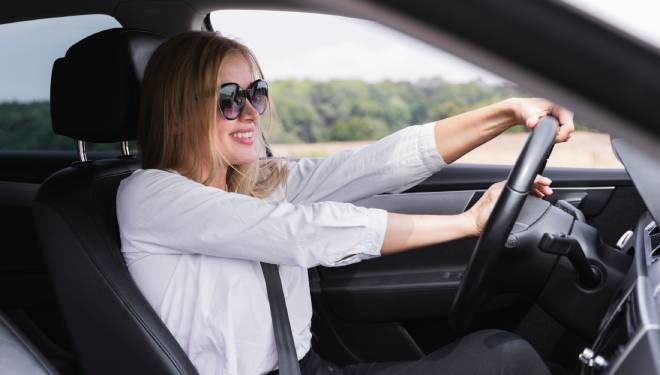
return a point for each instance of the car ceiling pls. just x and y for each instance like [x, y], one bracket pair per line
[147, 14]
[606, 76]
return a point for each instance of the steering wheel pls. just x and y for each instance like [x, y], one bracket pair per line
[477, 285]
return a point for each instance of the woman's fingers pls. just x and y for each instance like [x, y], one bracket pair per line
[566, 125]
[541, 186]
[530, 110]
[482, 209]
[541, 191]
[542, 180]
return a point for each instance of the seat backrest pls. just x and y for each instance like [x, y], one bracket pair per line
[113, 328]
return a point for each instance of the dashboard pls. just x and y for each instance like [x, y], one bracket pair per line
[628, 340]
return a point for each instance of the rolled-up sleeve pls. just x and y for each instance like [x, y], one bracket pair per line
[164, 213]
[393, 164]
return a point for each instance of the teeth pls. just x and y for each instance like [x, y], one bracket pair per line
[242, 134]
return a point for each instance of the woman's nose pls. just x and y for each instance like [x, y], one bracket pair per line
[249, 112]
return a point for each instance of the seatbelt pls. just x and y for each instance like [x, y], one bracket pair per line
[287, 360]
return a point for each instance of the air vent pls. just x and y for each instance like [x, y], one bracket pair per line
[655, 232]
[654, 235]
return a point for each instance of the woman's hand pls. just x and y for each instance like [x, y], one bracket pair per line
[479, 213]
[528, 111]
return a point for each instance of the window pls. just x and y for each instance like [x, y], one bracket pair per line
[26, 60]
[341, 83]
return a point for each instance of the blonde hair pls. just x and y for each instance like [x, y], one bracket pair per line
[178, 114]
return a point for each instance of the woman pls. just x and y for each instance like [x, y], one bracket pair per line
[204, 211]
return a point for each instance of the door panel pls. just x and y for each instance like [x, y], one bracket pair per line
[438, 203]
[590, 200]
[417, 284]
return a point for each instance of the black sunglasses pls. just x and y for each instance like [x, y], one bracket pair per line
[231, 98]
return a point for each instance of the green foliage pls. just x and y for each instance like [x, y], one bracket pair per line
[27, 126]
[358, 129]
[304, 111]
[351, 110]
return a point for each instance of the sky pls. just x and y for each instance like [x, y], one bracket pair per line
[290, 45]
[324, 47]
[30, 48]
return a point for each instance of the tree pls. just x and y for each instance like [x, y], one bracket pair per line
[358, 129]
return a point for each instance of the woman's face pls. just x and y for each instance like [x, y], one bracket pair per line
[237, 138]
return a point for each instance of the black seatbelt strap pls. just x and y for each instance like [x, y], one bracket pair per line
[287, 360]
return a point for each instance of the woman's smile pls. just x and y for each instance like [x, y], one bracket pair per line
[243, 137]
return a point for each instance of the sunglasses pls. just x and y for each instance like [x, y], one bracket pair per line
[231, 98]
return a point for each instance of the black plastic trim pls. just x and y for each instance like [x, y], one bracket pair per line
[480, 176]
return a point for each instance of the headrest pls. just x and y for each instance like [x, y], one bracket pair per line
[95, 87]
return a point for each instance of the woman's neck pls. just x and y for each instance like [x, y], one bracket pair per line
[220, 179]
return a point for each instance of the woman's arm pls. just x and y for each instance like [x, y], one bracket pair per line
[410, 155]
[165, 213]
[455, 136]
[405, 232]
[394, 163]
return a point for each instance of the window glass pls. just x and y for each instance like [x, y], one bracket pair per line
[339, 83]
[26, 58]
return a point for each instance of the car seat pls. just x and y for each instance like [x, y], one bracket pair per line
[95, 91]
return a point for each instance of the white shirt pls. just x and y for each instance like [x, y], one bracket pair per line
[194, 250]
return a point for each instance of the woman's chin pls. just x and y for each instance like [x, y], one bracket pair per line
[244, 159]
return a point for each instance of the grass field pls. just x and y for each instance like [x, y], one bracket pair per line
[584, 150]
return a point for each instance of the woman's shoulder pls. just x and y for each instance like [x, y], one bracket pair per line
[145, 177]
[149, 184]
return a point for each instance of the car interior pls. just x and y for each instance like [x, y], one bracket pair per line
[574, 274]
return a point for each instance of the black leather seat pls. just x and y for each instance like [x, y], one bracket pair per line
[94, 97]
[17, 355]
